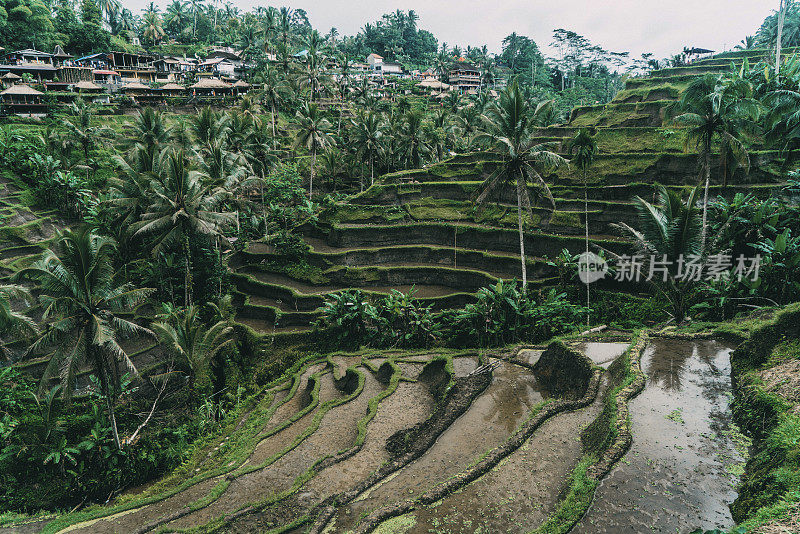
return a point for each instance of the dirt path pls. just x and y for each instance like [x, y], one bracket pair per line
[676, 476]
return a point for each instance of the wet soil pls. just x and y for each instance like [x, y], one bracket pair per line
[464, 366]
[131, 520]
[491, 418]
[522, 490]
[336, 432]
[603, 353]
[677, 475]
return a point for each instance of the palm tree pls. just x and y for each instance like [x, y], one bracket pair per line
[153, 29]
[148, 131]
[367, 134]
[716, 107]
[668, 230]
[511, 137]
[78, 126]
[273, 90]
[312, 76]
[82, 304]
[11, 322]
[314, 133]
[413, 138]
[188, 339]
[196, 5]
[344, 85]
[175, 16]
[183, 207]
[584, 148]
[209, 125]
[468, 122]
[332, 164]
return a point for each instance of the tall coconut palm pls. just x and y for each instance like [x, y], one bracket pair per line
[80, 130]
[511, 137]
[717, 108]
[273, 91]
[152, 27]
[413, 141]
[184, 334]
[82, 304]
[209, 125]
[13, 323]
[148, 131]
[176, 16]
[196, 5]
[312, 76]
[669, 229]
[183, 207]
[314, 133]
[368, 130]
[332, 164]
[583, 147]
[468, 122]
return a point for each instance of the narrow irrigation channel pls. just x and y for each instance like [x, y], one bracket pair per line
[681, 471]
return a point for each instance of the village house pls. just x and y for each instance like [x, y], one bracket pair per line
[465, 76]
[29, 61]
[379, 66]
[22, 100]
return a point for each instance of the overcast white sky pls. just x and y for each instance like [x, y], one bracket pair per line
[663, 27]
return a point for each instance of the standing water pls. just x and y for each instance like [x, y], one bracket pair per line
[680, 473]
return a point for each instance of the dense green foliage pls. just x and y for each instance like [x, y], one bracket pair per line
[502, 314]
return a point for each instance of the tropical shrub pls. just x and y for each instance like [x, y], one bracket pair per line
[349, 318]
[403, 322]
[504, 314]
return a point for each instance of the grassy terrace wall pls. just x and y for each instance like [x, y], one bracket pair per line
[667, 168]
[472, 237]
[445, 256]
[620, 114]
[767, 407]
[303, 302]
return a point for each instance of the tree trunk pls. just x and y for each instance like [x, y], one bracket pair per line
[313, 164]
[105, 390]
[586, 224]
[187, 280]
[707, 170]
[272, 107]
[371, 170]
[779, 37]
[521, 243]
[112, 417]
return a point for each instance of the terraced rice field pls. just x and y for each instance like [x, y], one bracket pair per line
[419, 228]
[441, 442]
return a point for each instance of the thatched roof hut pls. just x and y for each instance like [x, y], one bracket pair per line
[87, 87]
[210, 83]
[22, 90]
